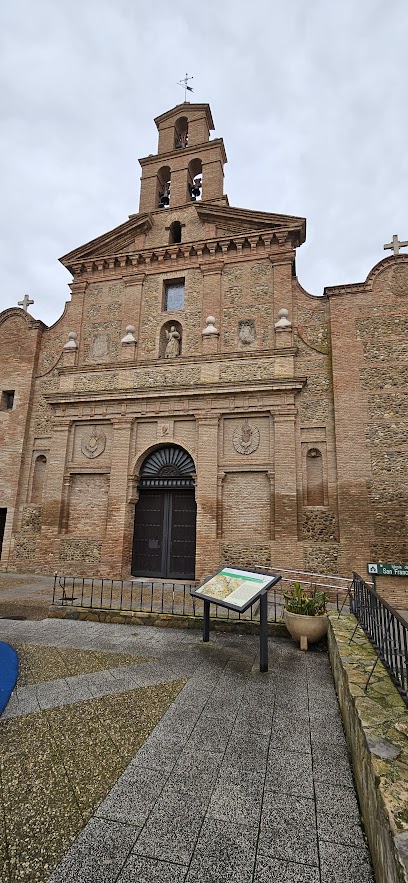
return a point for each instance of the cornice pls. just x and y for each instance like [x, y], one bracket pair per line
[120, 397]
[271, 243]
[194, 151]
[220, 358]
[213, 213]
[18, 313]
[134, 224]
[367, 285]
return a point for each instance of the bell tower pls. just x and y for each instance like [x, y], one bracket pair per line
[188, 166]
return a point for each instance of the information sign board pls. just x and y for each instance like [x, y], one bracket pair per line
[235, 588]
[388, 569]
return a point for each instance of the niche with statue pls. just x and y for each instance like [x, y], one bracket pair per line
[170, 342]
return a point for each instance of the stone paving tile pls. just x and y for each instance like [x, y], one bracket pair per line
[248, 749]
[344, 864]
[213, 732]
[21, 704]
[139, 869]
[290, 735]
[338, 816]
[160, 754]
[225, 853]
[328, 731]
[170, 837]
[196, 769]
[53, 693]
[98, 854]
[290, 772]
[237, 803]
[217, 707]
[288, 828]
[133, 797]
[253, 720]
[331, 765]
[229, 774]
[270, 870]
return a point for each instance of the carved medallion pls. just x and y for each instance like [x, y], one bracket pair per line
[245, 438]
[93, 443]
[246, 332]
[399, 280]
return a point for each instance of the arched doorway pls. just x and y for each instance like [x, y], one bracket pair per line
[164, 536]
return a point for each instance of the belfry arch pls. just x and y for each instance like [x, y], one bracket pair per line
[164, 538]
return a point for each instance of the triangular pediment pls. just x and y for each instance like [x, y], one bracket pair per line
[230, 219]
[116, 241]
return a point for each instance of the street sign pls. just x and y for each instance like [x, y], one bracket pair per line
[388, 569]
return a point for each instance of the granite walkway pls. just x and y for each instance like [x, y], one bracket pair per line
[246, 777]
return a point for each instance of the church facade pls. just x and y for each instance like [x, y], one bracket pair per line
[194, 405]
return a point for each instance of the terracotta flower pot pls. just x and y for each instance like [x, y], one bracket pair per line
[306, 629]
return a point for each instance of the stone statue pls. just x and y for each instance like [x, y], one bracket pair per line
[173, 343]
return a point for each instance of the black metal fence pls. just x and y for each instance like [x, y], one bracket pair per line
[174, 599]
[385, 628]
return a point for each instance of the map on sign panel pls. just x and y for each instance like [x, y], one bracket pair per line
[233, 586]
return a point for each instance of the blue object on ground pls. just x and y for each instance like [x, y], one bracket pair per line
[8, 673]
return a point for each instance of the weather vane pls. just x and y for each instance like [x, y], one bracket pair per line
[186, 87]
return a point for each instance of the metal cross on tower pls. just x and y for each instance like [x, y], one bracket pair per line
[186, 87]
[395, 244]
[25, 303]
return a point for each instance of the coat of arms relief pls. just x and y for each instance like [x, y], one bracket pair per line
[246, 332]
[245, 438]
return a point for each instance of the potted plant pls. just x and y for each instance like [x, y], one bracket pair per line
[305, 615]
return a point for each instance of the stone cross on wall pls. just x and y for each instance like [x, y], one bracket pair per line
[25, 303]
[395, 244]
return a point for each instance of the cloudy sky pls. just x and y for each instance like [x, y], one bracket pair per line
[310, 97]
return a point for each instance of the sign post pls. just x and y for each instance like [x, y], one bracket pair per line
[238, 589]
[380, 569]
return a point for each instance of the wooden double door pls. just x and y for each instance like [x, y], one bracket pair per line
[164, 539]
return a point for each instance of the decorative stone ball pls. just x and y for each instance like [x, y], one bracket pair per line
[72, 341]
[130, 335]
[210, 323]
[283, 321]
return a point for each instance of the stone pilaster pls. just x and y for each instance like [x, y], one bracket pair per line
[286, 525]
[132, 306]
[116, 548]
[211, 302]
[55, 496]
[207, 549]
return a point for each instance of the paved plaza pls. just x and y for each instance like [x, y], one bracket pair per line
[245, 778]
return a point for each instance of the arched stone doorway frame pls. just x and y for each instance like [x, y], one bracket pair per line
[165, 489]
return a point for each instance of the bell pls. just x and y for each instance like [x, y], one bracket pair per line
[195, 191]
[164, 201]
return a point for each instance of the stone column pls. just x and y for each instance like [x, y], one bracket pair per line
[207, 550]
[116, 548]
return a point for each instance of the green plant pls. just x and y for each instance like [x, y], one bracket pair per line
[308, 604]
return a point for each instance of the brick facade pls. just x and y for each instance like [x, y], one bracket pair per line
[298, 431]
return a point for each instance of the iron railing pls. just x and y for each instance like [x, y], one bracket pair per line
[174, 599]
[386, 629]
